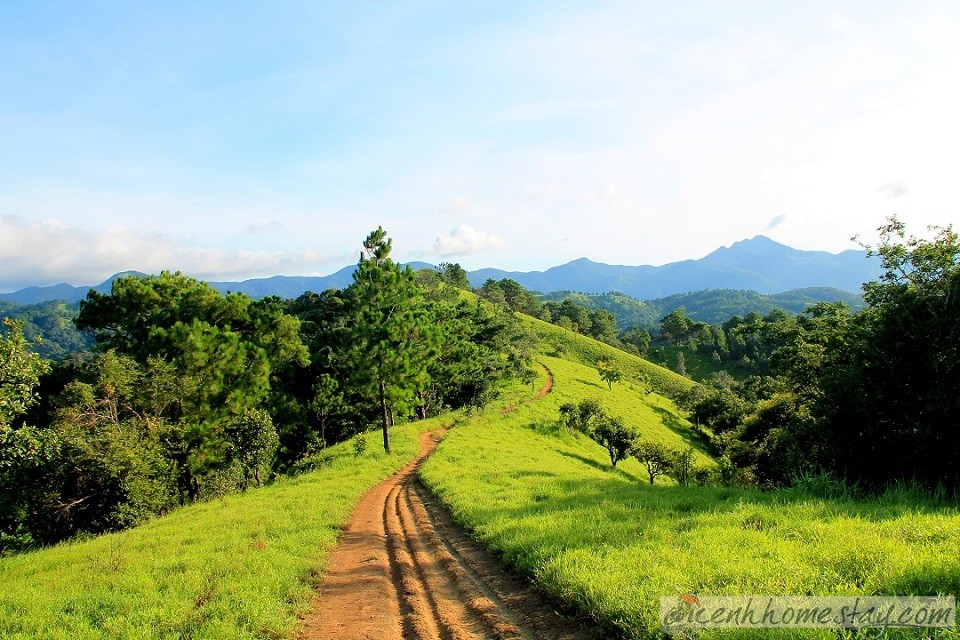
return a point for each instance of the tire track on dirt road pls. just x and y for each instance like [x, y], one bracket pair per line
[403, 571]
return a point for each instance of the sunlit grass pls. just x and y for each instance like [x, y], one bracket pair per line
[241, 567]
[587, 351]
[604, 539]
[653, 416]
[546, 499]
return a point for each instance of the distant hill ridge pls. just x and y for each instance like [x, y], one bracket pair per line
[714, 306]
[758, 264]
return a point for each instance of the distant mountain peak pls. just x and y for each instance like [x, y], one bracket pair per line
[759, 241]
[759, 264]
[759, 245]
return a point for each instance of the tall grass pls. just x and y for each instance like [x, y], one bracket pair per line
[241, 567]
[606, 541]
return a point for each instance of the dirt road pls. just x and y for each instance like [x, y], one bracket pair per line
[403, 570]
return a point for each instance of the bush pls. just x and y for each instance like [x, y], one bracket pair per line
[359, 445]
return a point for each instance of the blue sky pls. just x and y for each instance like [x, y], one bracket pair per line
[237, 139]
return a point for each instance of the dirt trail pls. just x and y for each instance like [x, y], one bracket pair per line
[544, 390]
[404, 570]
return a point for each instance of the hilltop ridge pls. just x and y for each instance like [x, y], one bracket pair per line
[757, 264]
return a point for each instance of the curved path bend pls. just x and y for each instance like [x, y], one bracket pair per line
[403, 571]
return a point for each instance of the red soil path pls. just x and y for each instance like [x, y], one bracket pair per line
[404, 571]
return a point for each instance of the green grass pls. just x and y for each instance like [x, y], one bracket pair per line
[653, 416]
[570, 346]
[240, 567]
[612, 545]
[600, 538]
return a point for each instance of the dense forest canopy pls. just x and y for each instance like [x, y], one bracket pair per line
[189, 393]
[49, 327]
[869, 397]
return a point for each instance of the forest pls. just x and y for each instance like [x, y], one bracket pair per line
[189, 394]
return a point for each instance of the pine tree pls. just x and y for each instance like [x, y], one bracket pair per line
[390, 337]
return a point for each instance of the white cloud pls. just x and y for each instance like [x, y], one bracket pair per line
[266, 227]
[893, 190]
[50, 252]
[465, 240]
[776, 221]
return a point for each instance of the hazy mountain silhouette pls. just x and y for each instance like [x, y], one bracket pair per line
[758, 264]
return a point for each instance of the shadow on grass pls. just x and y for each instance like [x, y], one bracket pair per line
[597, 465]
[690, 437]
[663, 507]
[591, 384]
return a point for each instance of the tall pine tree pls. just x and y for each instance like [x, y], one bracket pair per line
[391, 339]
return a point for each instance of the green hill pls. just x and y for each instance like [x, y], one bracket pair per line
[566, 344]
[628, 311]
[49, 327]
[240, 567]
[604, 540]
[547, 500]
[245, 565]
[714, 306]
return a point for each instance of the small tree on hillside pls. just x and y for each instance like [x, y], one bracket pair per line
[253, 443]
[682, 470]
[581, 416]
[675, 327]
[609, 372]
[327, 401]
[391, 337]
[637, 337]
[658, 459]
[454, 275]
[614, 436]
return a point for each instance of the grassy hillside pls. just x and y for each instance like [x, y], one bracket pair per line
[240, 567]
[699, 367]
[606, 541]
[546, 499]
[562, 343]
[244, 566]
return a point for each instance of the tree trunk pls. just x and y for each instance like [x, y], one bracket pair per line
[386, 417]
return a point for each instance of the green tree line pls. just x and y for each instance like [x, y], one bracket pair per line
[190, 394]
[595, 323]
[867, 398]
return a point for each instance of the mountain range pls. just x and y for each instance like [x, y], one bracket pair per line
[758, 264]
